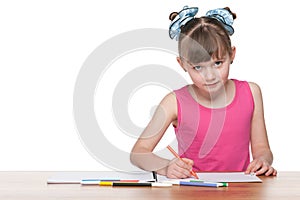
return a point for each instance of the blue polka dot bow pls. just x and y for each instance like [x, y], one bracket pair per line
[184, 16]
[188, 13]
[223, 16]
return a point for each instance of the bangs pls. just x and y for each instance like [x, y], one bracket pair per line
[204, 43]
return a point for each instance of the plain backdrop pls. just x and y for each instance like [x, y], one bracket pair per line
[43, 45]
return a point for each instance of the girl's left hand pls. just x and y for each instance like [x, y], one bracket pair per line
[259, 167]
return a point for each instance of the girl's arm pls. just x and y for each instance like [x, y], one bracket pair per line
[261, 152]
[141, 154]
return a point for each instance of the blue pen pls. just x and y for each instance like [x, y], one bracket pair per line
[201, 184]
[220, 184]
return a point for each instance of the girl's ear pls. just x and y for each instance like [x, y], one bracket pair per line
[181, 63]
[233, 51]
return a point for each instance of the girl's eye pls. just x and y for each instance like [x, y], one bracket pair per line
[197, 67]
[218, 63]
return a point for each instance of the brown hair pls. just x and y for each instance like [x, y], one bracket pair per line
[203, 38]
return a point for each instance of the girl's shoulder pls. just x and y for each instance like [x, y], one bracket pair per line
[255, 89]
[169, 104]
[169, 98]
[256, 94]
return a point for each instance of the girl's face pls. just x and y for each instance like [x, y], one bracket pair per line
[210, 77]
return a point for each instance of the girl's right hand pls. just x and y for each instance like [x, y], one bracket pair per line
[180, 168]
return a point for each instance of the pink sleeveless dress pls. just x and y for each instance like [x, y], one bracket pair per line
[216, 139]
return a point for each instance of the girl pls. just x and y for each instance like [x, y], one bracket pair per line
[215, 118]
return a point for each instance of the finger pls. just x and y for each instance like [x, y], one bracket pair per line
[173, 174]
[173, 171]
[177, 174]
[250, 167]
[183, 167]
[257, 166]
[188, 161]
[181, 173]
[183, 164]
[178, 169]
[185, 171]
[270, 171]
[262, 170]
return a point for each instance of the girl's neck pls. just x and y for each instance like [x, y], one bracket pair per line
[219, 99]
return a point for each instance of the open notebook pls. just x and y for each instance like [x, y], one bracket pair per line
[76, 177]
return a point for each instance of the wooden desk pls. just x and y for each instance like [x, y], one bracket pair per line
[32, 185]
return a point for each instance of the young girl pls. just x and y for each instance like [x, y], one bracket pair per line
[215, 118]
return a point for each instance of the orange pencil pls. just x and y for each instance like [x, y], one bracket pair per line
[177, 156]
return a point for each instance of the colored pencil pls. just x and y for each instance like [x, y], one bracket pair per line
[177, 156]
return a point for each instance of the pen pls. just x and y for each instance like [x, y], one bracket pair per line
[111, 179]
[97, 181]
[104, 183]
[203, 184]
[220, 184]
[177, 156]
[135, 184]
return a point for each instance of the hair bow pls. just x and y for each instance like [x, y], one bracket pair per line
[184, 16]
[223, 16]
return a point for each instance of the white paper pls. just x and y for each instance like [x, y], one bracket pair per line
[76, 177]
[229, 177]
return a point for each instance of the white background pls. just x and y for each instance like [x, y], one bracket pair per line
[43, 45]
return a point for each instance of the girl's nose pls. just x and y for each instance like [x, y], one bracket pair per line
[209, 74]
